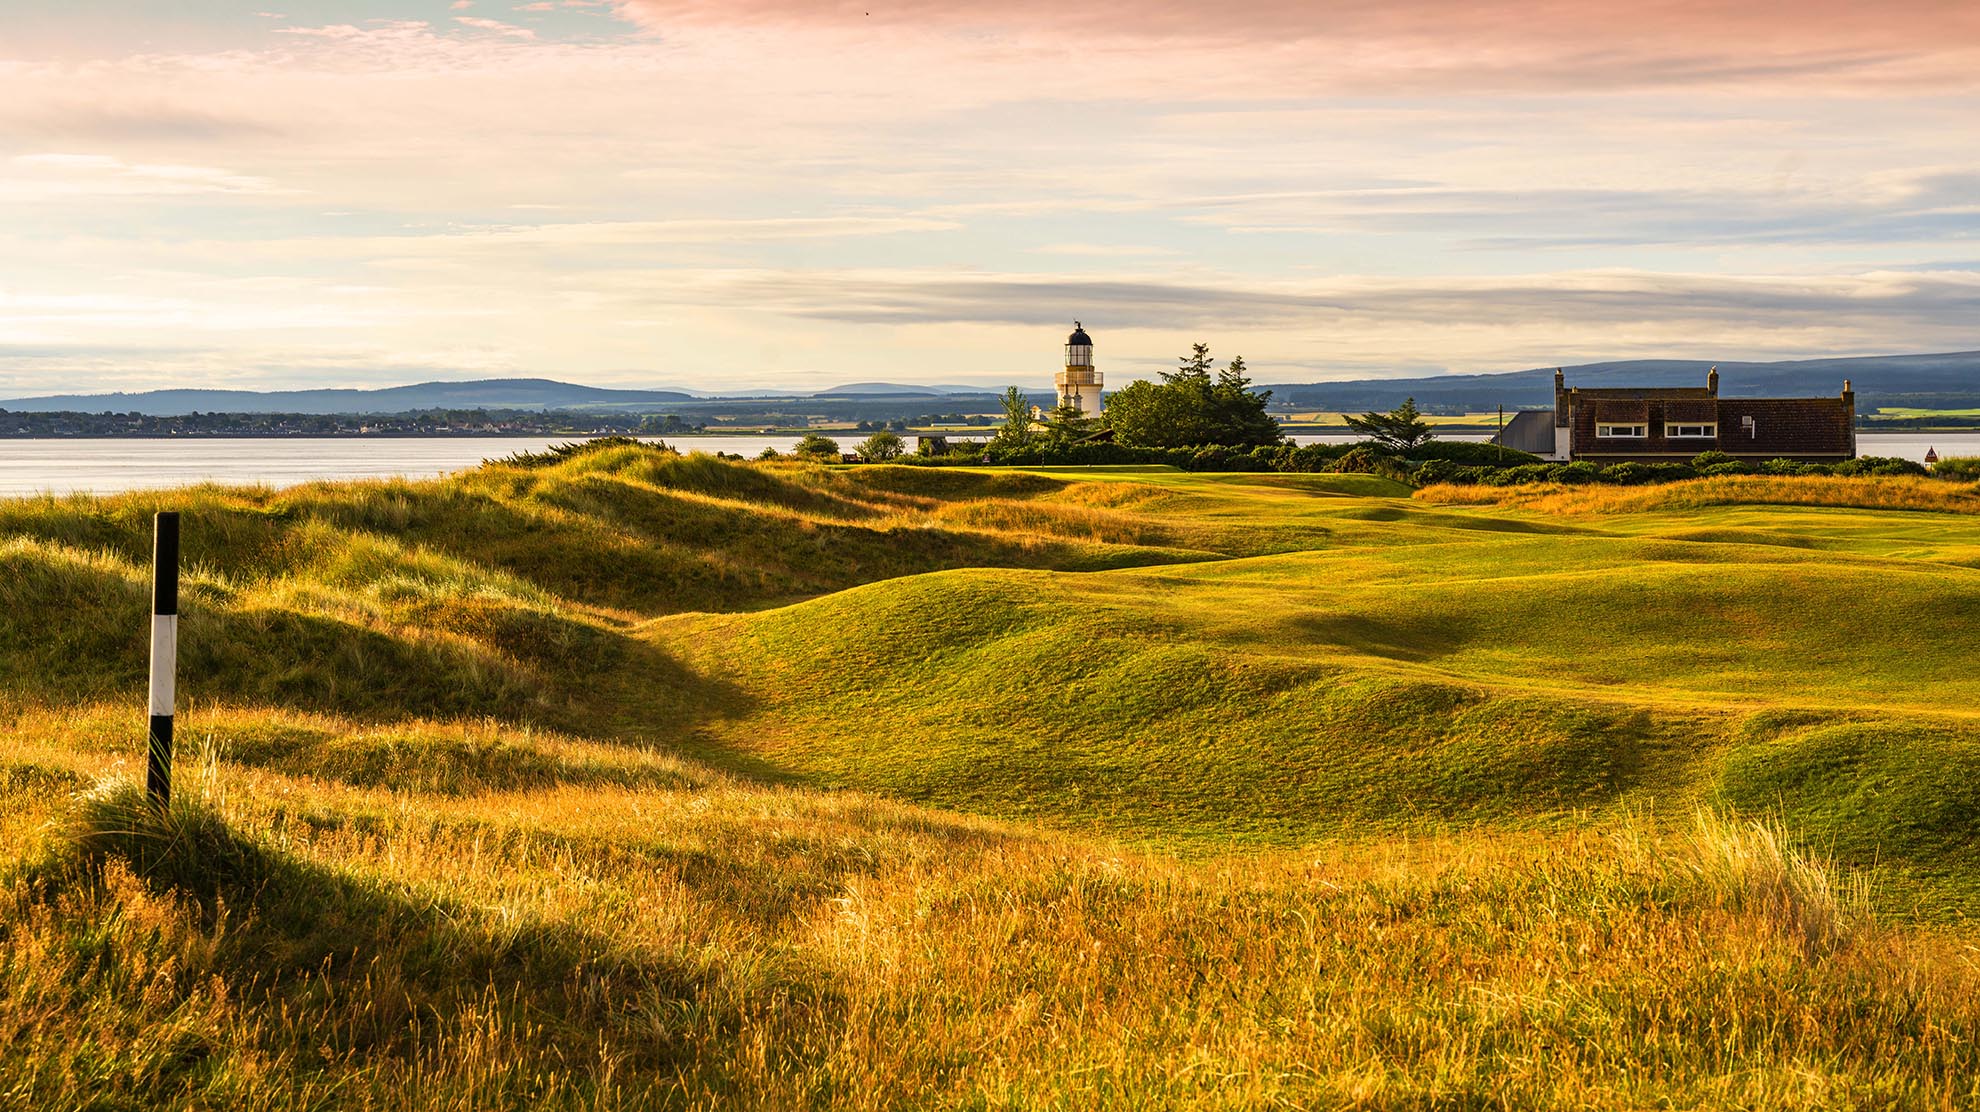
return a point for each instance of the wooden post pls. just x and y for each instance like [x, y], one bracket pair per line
[164, 655]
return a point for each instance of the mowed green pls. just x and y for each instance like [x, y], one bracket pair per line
[649, 781]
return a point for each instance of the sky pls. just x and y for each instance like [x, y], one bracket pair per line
[793, 194]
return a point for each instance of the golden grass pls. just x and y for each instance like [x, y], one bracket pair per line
[1873, 493]
[1058, 520]
[719, 945]
[437, 846]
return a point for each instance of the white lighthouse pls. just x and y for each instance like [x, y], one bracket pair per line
[1079, 383]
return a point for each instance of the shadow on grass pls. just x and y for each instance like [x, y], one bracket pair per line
[438, 658]
[1416, 642]
[332, 974]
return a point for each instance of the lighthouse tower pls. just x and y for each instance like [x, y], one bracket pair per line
[1079, 383]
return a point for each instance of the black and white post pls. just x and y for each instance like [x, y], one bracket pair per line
[164, 655]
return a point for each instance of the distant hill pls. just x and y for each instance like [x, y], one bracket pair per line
[898, 388]
[497, 393]
[1945, 381]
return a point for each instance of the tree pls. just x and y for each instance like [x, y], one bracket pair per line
[1017, 433]
[1238, 412]
[883, 446]
[1192, 407]
[813, 446]
[1398, 430]
[1193, 369]
[1147, 414]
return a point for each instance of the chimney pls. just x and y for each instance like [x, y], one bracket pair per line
[1849, 414]
[1712, 381]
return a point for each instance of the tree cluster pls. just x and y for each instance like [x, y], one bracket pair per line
[1194, 405]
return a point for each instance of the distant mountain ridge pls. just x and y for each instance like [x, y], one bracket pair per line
[494, 393]
[874, 388]
[1949, 380]
[498, 393]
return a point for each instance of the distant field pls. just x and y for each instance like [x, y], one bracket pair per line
[646, 781]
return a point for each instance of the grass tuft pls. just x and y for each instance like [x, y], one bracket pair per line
[1751, 866]
[186, 848]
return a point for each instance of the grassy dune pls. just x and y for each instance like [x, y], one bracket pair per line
[640, 780]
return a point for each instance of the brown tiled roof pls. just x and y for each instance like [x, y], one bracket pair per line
[1598, 393]
[1633, 411]
[1689, 411]
[1788, 426]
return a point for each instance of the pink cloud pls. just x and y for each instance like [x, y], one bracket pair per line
[1504, 43]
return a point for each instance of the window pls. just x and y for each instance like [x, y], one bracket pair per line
[1692, 432]
[1612, 431]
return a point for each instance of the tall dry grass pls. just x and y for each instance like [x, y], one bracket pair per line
[717, 945]
[1870, 493]
[400, 877]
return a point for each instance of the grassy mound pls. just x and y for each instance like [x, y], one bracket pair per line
[776, 950]
[605, 781]
[1503, 681]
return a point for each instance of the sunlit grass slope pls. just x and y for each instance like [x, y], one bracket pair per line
[679, 939]
[645, 781]
[1500, 676]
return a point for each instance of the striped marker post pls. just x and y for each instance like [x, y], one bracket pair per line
[164, 655]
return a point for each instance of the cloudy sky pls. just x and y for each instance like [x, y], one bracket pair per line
[796, 193]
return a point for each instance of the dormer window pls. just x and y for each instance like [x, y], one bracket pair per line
[1619, 432]
[1708, 431]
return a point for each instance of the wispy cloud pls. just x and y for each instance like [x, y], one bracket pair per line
[803, 192]
[496, 26]
[1580, 299]
[52, 175]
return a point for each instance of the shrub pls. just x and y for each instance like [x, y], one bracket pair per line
[1307, 458]
[1711, 457]
[813, 446]
[1963, 468]
[1877, 465]
[1435, 471]
[1359, 459]
[1472, 452]
[1576, 473]
[1523, 473]
[558, 453]
[1670, 472]
[882, 447]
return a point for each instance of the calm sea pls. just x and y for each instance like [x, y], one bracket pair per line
[107, 466]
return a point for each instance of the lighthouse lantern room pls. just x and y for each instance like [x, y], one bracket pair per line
[1079, 383]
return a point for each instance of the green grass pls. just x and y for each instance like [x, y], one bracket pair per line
[641, 780]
